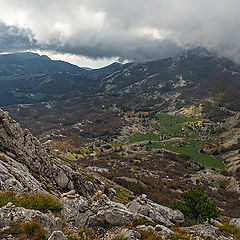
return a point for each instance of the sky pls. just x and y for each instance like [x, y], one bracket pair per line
[95, 33]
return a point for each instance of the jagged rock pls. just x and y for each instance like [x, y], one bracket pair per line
[57, 235]
[70, 194]
[97, 211]
[158, 229]
[111, 193]
[203, 230]
[10, 213]
[129, 234]
[17, 177]
[164, 231]
[235, 222]
[216, 223]
[24, 152]
[72, 206]
[159, 214]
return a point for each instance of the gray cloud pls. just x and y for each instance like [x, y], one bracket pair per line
[132, 29]
[13, 38]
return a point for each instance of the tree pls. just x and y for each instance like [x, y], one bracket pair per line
[196, 205]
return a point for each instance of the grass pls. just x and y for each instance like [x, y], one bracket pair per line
[191, 150]
[41, 202]
[227, 230]
[26, 231]
[171, 124]
[143, 221]
[143, 137]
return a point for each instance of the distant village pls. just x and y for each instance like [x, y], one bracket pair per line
[203, 127]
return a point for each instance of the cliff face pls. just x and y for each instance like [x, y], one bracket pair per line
[22, 156]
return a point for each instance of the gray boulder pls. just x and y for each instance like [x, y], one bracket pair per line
[235, 222]
[158, 229]
[130, 234]
[10, 213]
[164, 231]
[97, 211]
[158, 213]
[57, 235]
[203, 230]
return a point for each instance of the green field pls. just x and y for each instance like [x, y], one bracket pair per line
[192, 151]
[171, 125]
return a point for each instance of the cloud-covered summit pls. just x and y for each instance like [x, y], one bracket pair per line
[129, 29]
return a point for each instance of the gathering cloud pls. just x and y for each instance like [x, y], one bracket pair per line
[128, 29]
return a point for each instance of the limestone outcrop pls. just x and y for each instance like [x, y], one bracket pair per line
[158, 213]
[97, 211]
[12, 214]
[21, 154]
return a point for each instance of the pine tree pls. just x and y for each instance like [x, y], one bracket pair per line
[196, 205]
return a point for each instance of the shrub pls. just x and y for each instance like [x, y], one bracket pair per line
[196, 205]
[34, 230]
[41, 202]
[29, 230]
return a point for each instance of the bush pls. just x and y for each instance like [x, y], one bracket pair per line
[34, 230]
[196, 205]
[41, 202]
[29, 230]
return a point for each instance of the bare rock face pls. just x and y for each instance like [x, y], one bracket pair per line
[158, 230]
[130, 234]
[10, 213]
[21, 153]
[17, 177]
[158, 213]
[203, 230]
[97, 211]
[57, 235]
[235, 222]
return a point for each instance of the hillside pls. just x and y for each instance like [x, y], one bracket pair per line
[34, 204]
[109, 135]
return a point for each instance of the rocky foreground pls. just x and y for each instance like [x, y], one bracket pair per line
[86, 202]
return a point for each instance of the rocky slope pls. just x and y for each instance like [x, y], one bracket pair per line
[27, 167]
[22, 155]
[23, 158]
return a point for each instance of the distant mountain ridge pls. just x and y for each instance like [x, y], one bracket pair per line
[195, 73]
[33, 63]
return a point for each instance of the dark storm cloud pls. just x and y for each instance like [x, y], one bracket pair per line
[141, 49]
[13, 38]
[133, 29]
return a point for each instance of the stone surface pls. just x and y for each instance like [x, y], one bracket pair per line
[164, 231]
[22, 154]
[159, 214]
[97, 211]
[57, 235]
[203, 230]
[129, 234]
[158, 229]
[17, 177]
[10, 213]
[235, 222]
